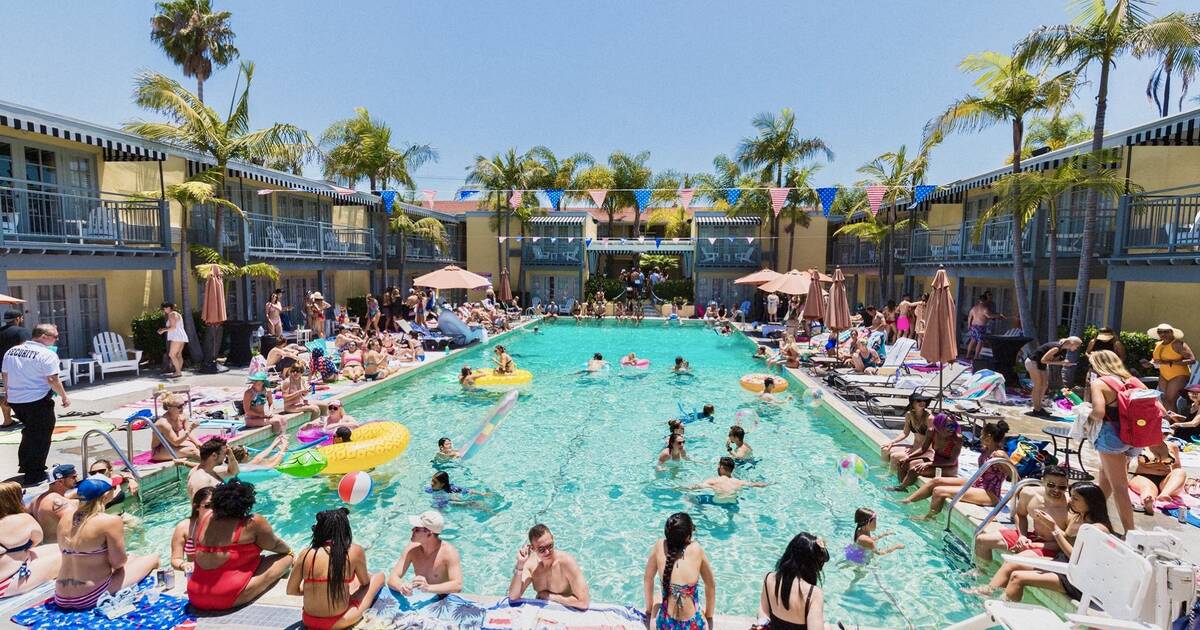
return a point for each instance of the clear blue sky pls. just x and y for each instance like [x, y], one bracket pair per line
[680, 79]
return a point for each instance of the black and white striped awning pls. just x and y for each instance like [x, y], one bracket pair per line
[557, 220]
[702, 220]
[116, 146]
[286, 182]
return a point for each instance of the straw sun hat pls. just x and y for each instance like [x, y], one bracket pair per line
[1153, 332]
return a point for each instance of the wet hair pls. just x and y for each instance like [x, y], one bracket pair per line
[803, 559]
[727, 463]
[738, 432]
[465, 371]
[768, 383]
[333, 528]
[597, 357]
[1097, 505]
[537, 531]
[239, 452]
[677, 534]
[500, 348]
[672, 438]
[1054, 471]
[678, 362]
[342, 433]
[862, 518]
[198, 500]
[170, 305]
[10, 499]
[233, 499]
[996, 431]
[442, 441]
[708, 409]
[212, 447]
[674, 425]
[442, 478]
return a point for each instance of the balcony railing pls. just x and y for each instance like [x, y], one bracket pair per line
[295, 238]
[1157, 225]
[556, 252]
[47, 214]
[723, 253]
[423, 250]
[960, 244]
[1070, 231]
[855, 253]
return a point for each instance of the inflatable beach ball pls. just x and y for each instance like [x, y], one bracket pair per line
[355, 487]
[852, 468]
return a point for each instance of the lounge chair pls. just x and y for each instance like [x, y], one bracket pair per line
[429, 339]
[110, 355]
[1111, 576]
[949, 374]
[893, 364]
[1190, 236]
[708, 256]
[278, 242]
[968, 401]
[746, 256]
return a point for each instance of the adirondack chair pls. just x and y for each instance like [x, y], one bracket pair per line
[745, 256]
[278, 241]
[101, 224]
[709, 255]
[110, 354]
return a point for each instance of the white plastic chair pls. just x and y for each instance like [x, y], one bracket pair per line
[110, 354]
[65, 374]
[1111, 575]
[709, 255]
[278, 241]
[1191, 236]
[745, 256]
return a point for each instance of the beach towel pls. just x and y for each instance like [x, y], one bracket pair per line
[450, 612]
[63, 430]
[164, 614]
[984, 385]
[525, 614]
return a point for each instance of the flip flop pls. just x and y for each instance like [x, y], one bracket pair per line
[70, 414]
[86, 414]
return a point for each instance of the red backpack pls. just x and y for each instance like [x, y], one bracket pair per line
[1139, 413]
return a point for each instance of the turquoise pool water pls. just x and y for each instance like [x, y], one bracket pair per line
[577, 453]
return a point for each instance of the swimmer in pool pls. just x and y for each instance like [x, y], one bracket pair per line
[674, 452]
[724, 486]
[630, 359]
[467, 376]
[504, 362]
[446, 449]
[865, 541]
[681, 366]
[768, 393]
[736, 444]
[341, 435]
[707, 413]
[674, 426]
[597, 363]
[761, 353]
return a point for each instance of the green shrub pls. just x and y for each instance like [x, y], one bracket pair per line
[1138, 346]
[668, 290]
[146, 338]
[612, 287]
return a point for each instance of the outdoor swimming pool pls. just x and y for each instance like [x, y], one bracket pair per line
[578, 454]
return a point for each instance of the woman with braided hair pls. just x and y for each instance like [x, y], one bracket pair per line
[331, 574]
[682, 563]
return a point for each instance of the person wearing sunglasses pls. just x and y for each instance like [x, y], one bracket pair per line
[674, 452]
[1029, 534]
[436, 564]
[176, 429]
[554, 575]
[104, 468]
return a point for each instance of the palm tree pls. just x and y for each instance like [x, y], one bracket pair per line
[1053, 133]
[712, 186]
[600, 176]
[1023, 194]
[502, 174]
[629, 173]
[1097, 35]
[194, 38]
[360, 147]
[1177, 52]
[196, 126]
[561, 173]
[426, 228]
[777, 147]
[899, 174]
[1009, 93]
[871, 229]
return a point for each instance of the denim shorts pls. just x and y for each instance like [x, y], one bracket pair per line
[1109, 441]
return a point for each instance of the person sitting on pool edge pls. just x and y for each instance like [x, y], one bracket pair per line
[1050, 498]
[436, 564]
[347, 590]
[736, 444]
[724, 486]
[554, 575]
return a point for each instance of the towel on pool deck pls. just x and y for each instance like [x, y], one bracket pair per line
[450, 612]
[165, 614]
[525, 614]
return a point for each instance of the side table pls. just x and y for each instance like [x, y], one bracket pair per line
[83, 367]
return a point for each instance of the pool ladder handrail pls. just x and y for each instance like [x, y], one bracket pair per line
[124, 455]
[995, 461]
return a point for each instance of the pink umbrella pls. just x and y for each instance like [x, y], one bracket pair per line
[9, 300]
[794, 282]
[451, 277]
[838, 317]
[214, 299]
[814, 306]
[761, 276]
[505, 292]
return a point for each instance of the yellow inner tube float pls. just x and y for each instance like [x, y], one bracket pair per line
[372, 444]
[490, 377]
[754, 383]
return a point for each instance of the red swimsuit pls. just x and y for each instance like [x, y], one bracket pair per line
[218, 588]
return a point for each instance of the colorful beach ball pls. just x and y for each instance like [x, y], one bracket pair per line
[355, 487]
[815, 397]
[745, 418]
[852, 468]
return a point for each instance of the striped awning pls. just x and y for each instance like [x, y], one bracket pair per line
[286, 181]
[557, 220]
[117, 146]
[702, 220]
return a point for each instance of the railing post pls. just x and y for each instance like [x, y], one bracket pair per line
[962, 239]
[247, 235]
[1175, 225]
[1119, 234]
[164, 223]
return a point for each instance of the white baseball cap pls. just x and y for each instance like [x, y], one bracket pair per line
[429, 519]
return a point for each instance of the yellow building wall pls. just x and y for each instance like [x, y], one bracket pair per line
[1155, 168]
[943, 214]
[142, 177]
[127, 293]
[351, 283]
[1148, 304]
[805, 245]
[481, 246]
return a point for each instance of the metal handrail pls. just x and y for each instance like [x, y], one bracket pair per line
[1013, 476]
[112, 443]
[1012, 492]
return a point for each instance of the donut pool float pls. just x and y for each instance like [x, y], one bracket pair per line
[754, 383]
[491, 378]
[640, 363]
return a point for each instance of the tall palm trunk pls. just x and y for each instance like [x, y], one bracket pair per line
[185, 300]
[611, 228]
[200, 89]
[1087, 242]
[1052, 275]
[792, 243]
[1166, 105]
[403, 251]
[774, 219]
[499, 242]
[1020, 286]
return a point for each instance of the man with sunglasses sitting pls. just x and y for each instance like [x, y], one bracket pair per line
[555, 575]
[1050, 497]
[104, 468]
[436, 565]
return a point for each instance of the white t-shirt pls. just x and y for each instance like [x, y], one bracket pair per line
[26, 368]
[772, 303]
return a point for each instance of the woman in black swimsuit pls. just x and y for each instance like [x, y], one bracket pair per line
[790, 598]
[23, 563]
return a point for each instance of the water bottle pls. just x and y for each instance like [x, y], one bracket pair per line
[1072, 396]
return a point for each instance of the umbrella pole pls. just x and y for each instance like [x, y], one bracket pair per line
[941, 388]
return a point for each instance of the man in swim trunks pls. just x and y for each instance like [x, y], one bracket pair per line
[977, 321]
[1050, 498]
[724, 485]
[213, 454]
[736, 444]
[554, 574]
[49, 506]
[436, 565]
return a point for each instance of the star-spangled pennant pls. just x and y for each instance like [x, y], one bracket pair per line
[641, 197]
[685, 197]
[502, 238]
[429, 195]
[515, 198]
[388, 197]
[828, 196]
[921, 192]
[554, 195]
[657, 242]
[463, 195]
[587, 241]
[732, 195]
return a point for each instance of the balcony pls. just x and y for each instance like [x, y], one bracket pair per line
[557, 252]
[421, 250]
[1070, 232]
[271, 237]
[852, 252]
[1158, 226]
[38, 216]
[951, 245]
[724, 253]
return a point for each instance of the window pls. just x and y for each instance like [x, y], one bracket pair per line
[560, 288]
[1093, 312]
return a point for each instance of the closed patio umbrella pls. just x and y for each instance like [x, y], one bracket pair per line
[505, 292]
[941, 340]
[214, 315]
[761, 276]
[814, 306]
[838, 317]
[6, 300]
[452, 277]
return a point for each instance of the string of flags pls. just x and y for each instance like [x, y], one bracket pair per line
[658, 240]
[684, 196]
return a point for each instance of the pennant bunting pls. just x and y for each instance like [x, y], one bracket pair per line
[657, 242]
[597, 195]
[828, 196]
[535, 238]
[641, 239]
[388, 197]
[675, 239]
[429, 195]
[515, 198]
[463, 195]
[685, 197]
[267, 191]
[641, 197]
[342, 191]
[778, 198]
[921, 192]
[732, 195]
[518, 238]
[502, 238]
[554, 195]
[729, 238]
[712, 240]
[553, 239]
[570, 239]
[587, 241]
[749, 240]
[875, 197]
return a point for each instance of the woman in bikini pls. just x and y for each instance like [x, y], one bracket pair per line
[916, 425]
[794, 582]
[372, 315]
[985, 491]
[274, 312]
[23, 563]
[295, 398]
[176, 429]
[1158, 475]
[331, 574]
[682, 563]
[256, 402]
[944, 442]
[504, 363]
[375, 362]
[352, 363]
[93, 550]
[230, 569]
[183, 539]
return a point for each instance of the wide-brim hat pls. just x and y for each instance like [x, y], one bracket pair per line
[1105, 334]
[259, 376]
[1153, 332]
[317, 297]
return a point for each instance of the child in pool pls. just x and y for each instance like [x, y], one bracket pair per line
[681, 366]
[467, 376]
[768, 393]
[707, 413]
[446, 449]
[865, 543]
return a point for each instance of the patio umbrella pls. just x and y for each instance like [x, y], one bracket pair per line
[505, 292]
[9, 300]
[452, 277]
[814, 306]
[793, 282]
[838, 317]
[758, 277]
[941, 340]
[214, 315]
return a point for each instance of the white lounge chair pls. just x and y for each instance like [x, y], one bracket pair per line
[110, 354]
[571, 255]
[893, 363]
[538, 254]
[1111, 575]
[278, 241]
